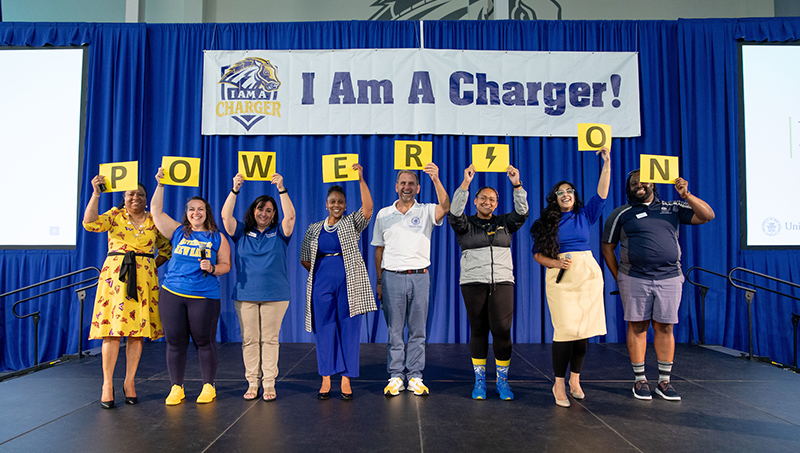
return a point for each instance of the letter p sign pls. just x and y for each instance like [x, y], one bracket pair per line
[120, 176]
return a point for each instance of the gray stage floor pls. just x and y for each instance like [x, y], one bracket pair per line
[729, 404]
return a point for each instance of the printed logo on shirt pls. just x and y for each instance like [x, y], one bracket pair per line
[415, 222]
[191, 247]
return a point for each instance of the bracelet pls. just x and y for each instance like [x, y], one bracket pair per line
[235, 192]
[95, 195]
[213, 269]
[517, 186]
[379, 281]
[281, 192]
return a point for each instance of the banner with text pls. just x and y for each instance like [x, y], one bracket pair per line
[418, 91]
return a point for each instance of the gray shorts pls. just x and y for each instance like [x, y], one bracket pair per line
[645, 299]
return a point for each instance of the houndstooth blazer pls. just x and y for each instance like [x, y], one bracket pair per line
[359, 289]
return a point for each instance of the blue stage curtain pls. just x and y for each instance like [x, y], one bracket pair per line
[144, 103]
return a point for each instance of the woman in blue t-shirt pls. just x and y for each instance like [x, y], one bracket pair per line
[261, 294]
[575, 298]
[189, 297]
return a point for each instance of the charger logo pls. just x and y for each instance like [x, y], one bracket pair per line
[249, 91]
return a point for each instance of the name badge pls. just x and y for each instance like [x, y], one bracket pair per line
[641, 215]
[252, 234]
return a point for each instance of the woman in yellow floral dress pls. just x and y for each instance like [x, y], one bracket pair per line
[135, 249]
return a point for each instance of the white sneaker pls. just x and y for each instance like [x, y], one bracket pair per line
[394, 387]
[415, 385]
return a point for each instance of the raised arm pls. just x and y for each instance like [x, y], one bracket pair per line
[460, 198]
[702, 211]
[444, 200]
[605, 174]
[165, 224]
[230, 203]
[91, 214]
[286, 205]
[366, 196]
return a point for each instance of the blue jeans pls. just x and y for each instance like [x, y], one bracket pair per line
[405, 302]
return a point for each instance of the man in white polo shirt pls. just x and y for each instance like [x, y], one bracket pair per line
[402, 240]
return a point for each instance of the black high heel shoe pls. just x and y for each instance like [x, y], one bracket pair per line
[129, 399]
[347, 396]
[108, 404]
[324, 396]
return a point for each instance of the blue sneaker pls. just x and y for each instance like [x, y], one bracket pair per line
[642, 391]
[503, 389]
[665, 390]
[479, 391]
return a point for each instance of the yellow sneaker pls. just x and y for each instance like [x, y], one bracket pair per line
[207, 395]
[176, 395]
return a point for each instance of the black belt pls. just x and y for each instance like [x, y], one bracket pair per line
[128, 269]
[409, 271]
[323, 255]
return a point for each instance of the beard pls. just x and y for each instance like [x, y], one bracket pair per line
[648, 192]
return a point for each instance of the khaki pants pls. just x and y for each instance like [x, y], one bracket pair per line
[260, 323]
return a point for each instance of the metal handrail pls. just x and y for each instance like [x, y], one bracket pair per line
[750, 294]
[703, 291]
[37, 314]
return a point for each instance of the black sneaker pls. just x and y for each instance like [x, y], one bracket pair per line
[665, 390]
[642, 391]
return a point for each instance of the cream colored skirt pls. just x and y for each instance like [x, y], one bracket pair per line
[576, 302]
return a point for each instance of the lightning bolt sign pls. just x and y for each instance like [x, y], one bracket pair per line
[490, 155]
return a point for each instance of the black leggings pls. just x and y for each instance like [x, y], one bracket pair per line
[184, 316]
[489, 308]
[568, 354]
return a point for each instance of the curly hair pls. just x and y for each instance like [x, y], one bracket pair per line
[250, 216]
[545, 229]
[208, 225]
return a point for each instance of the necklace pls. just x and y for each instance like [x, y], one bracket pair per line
[137, 224]
[330, 228]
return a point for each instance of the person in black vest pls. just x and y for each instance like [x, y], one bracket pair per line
[487, 274]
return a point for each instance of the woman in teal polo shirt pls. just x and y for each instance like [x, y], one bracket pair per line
[261, 294]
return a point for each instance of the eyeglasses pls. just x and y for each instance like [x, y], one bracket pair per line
[485, 198]
[562, 192]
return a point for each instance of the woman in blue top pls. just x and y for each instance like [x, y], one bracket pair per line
[338, 288]
[189, 297]
[575, 298]
[261, 294]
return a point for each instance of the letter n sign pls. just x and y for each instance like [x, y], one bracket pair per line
[339, 167]
[120, 176]
[410, 155]
[658, 169]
